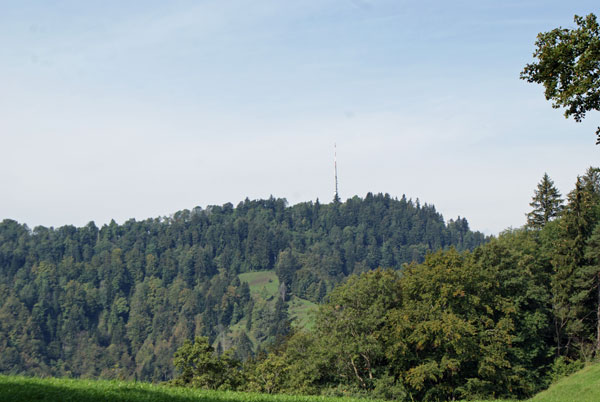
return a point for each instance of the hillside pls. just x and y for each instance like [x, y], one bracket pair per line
[117, 301]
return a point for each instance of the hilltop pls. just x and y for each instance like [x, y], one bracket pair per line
[116, 301]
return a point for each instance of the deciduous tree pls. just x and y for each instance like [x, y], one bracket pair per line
[568, 65]
[199, 366]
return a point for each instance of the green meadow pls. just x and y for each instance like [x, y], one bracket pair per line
[27, 389]
[582, 386]
[264, 285]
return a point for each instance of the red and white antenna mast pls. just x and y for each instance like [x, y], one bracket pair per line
[335, 171]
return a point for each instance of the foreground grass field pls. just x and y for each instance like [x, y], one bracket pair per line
[582, 386]
[24, 389]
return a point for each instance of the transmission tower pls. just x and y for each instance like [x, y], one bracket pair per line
[336, 197]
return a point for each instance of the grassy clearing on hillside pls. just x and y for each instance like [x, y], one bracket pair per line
[584, 385]
[263, 284]
[24, 389]
[300, 311]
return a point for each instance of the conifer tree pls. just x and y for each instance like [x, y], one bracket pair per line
[574, 277]
[592, 253]
[546, 202]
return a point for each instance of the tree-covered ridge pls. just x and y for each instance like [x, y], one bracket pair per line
[501, 321]
[117, 301]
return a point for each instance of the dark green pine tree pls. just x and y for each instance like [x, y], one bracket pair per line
[592, 253]
[546, 202]
[574, 274]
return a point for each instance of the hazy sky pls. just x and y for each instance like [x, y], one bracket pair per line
[139, 109]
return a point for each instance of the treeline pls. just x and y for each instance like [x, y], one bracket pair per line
[118, 301]
[501, 321]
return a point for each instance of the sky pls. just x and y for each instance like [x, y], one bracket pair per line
[138, 109]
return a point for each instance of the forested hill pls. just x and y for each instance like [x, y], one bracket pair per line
[117, 301]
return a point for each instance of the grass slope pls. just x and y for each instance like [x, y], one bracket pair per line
[264, 285]
[25, 389]
[584, 385]
[301, 312]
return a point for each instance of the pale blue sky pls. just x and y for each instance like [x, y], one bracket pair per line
[139, 109]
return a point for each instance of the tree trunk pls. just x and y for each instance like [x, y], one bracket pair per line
[598, 320]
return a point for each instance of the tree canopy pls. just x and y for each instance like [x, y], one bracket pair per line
[568, 65]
